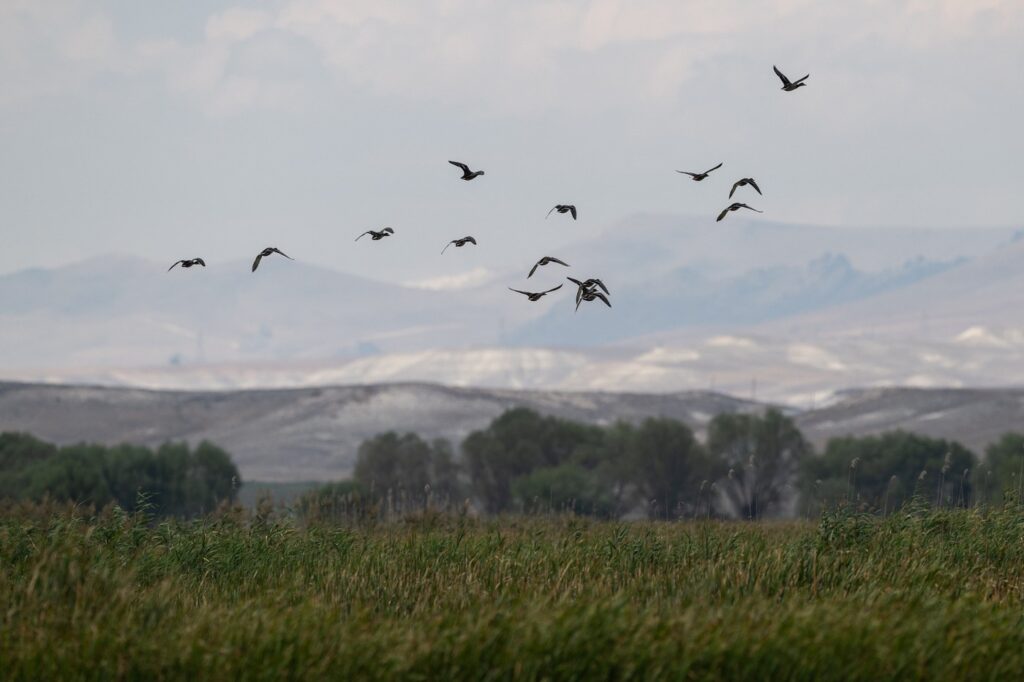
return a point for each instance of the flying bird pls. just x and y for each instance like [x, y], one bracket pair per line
[459, 243]
[697, 177]
[744, 181]
[563, 208]
[376, 236]
[786, 84]
[735, 207]
[535, 296]
[466, 173]
[587, 286]
[592, 295]
[266, 252]
[188, 262]
[544, 261]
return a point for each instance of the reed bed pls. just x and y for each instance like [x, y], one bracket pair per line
[921, 594]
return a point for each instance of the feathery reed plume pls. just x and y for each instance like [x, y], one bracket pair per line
[962, 499]
[888, 489]
[946, 464]
[851, 480]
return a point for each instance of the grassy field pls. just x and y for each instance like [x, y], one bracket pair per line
[918, 595]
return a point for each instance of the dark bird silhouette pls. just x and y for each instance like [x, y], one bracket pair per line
[734, 207]
[592, 295]
[786, 84]
[376, 236]
[188, 262]
[544, 261]
[744, 181]
[697, 177]
[563, 208]
[466, 173]
[535, 296]
[459, 243]
[266, 252]
[586, 287]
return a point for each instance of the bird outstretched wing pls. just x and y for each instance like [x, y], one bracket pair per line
[753, 184]
[524, 293]
[256, 263]
[734, 186]
[600, 296]
[363, 235]
[277, 250]
[555, 289]
[176, 263]
[447, 245]
[692, 175]
[785, 81]
[471, 240]
[200, 261]
[464, 167]
[533, 269]
[580, 288]
[572, 211]
[750, 208]
[713, 169]
[601, 284]
[550, 212]
[721, 215]
[552, 259]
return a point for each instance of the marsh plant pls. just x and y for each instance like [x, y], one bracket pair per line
[922, 593]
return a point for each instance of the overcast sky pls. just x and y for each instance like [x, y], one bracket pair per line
[174, 129]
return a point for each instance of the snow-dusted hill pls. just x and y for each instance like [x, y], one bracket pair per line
[311, 434]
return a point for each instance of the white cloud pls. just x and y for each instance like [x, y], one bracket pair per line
[49, 48]
[493, 55]
[462, 280]
[237, 24]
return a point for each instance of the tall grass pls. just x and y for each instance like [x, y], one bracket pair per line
[936, 594]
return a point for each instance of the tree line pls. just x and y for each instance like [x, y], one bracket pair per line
[747, 466]
[173, 480]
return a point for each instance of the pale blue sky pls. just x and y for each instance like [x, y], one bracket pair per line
[173, 129]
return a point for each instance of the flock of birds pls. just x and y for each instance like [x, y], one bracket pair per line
[591, 289]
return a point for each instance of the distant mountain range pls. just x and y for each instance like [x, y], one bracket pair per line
[688, 297]
[784, 313]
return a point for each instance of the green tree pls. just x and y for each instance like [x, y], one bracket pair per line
[404, 466]
[884, 471]
[763, 454]
[212, 478]
[17, 452]
[567, 487]
[1003, 472]
[517, 443]
[76, 473]
[668, 466]
[173, 480]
